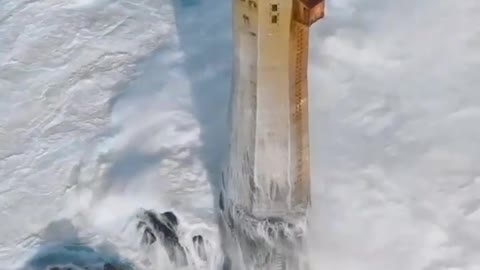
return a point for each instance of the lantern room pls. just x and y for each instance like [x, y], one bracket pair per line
[308, 12]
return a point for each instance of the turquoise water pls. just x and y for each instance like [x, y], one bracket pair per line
[76, 255]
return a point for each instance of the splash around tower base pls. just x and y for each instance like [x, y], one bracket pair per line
[266, 243]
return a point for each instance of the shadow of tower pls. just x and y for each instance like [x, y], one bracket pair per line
[204, 33]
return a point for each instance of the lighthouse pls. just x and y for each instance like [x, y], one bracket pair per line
[265, 193]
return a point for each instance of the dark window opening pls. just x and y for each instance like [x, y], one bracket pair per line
[274, 7]
[274, 19]
[246, 20]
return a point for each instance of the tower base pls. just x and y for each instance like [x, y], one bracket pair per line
[266, 243]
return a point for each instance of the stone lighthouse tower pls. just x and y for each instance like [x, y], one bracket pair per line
[266, 184]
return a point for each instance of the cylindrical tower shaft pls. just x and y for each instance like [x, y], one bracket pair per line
[266, 184]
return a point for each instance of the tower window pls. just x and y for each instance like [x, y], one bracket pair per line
[275, 19]
[252, 4]
[246, 20]
[274, 7]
